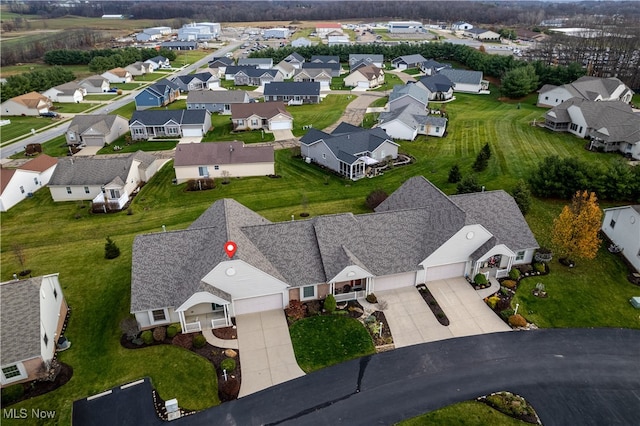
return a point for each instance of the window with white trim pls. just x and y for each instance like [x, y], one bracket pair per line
[158, 315]
[86, 190]
[114, 193]
[308, 292]
[68, 190]
[11, 371]
[216, 167]
[612, 224]
[520, 255]
[203, 171]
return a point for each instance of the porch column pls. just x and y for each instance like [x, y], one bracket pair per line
[368, 285]
[332, 288]
[510, 263]
[182, 320]
[227, 320]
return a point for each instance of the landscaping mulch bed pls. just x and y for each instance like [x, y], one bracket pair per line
[511, 405]
[226, 333]
[40, 387]
[353, 308]
[386, 338]
[432, 303]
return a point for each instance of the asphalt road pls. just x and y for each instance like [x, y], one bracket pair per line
[51, 133]
[571, 376]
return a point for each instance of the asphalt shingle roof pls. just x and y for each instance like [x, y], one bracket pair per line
[161, 117]
[217, 97]
[462, 76]
[97, 170]
[100, 123]
[410, 90]
[288, 88]
[437, 83]
[193, 154]
[262, 109]
[20, 320]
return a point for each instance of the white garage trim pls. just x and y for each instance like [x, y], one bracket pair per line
[363, 84]
[442, 272]
[390, 282]
[186, 132]
[280, 125]
[258, 304]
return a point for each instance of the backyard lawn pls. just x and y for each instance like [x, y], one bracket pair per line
[66, 238]
[223, 131]
[134, 146]
[321, 341]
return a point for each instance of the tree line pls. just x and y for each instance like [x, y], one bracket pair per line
[34, 81]
[101, 60]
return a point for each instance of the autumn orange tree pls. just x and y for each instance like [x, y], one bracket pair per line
[575, 231]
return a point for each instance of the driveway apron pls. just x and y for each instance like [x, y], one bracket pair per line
[266, 351]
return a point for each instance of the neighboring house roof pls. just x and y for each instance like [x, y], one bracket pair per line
[138, 66]
[348, 142]
[410, 59]
[287, 88]
[370, 72]
[430, 63]
[262, 109]
[96, 124]
[256, 72]
[313, 72]
[478, 31]
[323, 65]
[236, 152]
[462, 76]
[68, 88]
[437, 83]
[357, 57]
[202, 76]
[94, 80]
[325, 59]
[589, 88]
[294, 56]
[286, 67]
[158, 59]
[612, 121]
[413, 116]
[31, 99]
[5, 177]
[410, 90]
[39, 164]
[161, 117]
[98, 170]
[224, 61]
[20, 320]
[255, 61]
[218, 97]
[160, 88]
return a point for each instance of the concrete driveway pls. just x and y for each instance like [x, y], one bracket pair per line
[283, 135]
[412, 322]
[266, 351]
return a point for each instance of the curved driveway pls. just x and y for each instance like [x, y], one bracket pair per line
[571, 376]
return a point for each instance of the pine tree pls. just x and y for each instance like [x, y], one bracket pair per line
[522, 196]
[575, 231]
[454, 174]
[111, 250]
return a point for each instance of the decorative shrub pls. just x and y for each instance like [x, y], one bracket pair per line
[159, 333]
[313, 307]
[371, 298]
[183, 340]
[199, 341]
[510, 404]
[543, 254]
[200, 184]
[525, 268]
[539, 267]
[295, 311]
[172, 330]
[514, 274]
[229, 388]
[370, 319]
[147, 337]
[504, 291]
[375, 197]
[506, 313]
[492, 301]
[480, 279]
[129, 326]
[12, 393]
[517, 320]
[228, 364]
[511, 284]
[330, 303]
[503, 304]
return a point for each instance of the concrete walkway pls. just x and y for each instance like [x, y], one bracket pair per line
[217, 342]
[266, 351]
[355, 111]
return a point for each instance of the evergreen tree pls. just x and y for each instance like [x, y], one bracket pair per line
[454, 174]
[111, 250]
[522, 196]
[469, 184]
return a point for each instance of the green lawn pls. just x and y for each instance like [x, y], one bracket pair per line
[98, 97]
[337, 83]
[470, 413]
[319, 115]
[71, 108]
[177, 104]
[412, 71]
[321, 341]
[21, 126]
[390, 80]
[125, 111]
[222, 131]
[152, 76]
[155, 145]
[56, 147]
[380, 102]
[127, 86]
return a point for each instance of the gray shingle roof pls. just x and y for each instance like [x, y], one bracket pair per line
[418, 192]
[161, 117]
[498, 212]
[410, 90]
[203, 76]
[326, 59]
[20, 320]
[193, 154]
[462, 76]
[287, 88]
[255, 61]
[217, 97]
[100, 123]
[347, 146]
[266, 110]
[410, 59]
[369, 58]
[257, 72]
[97, 170]
[589, 88]
[294, 56]
[437, 83]
[413, 116]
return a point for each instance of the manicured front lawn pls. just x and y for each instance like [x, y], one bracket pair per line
[125, 111]
[21, 126]
[70, 108]
[152, 76]
[326, 340]
[390, 80]
[470, 413]
[56, 147]
[319, 115]
[412, 71]
[127, 86]
[100, 97]
[177, 104]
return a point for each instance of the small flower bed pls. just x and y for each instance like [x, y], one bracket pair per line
[433, 305]
[512, 405]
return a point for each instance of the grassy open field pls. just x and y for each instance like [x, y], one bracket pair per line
[66, 238]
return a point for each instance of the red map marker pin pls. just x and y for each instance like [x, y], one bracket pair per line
[230, 248]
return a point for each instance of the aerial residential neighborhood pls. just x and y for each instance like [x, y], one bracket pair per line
[210, 207]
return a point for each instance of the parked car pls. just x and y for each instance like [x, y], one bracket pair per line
[113, 90]
[49, 114]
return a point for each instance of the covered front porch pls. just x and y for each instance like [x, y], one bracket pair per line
[204, 311]
[351, 283]
[494, 263]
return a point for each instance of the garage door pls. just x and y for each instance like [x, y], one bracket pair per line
[389, 282]
[445, 271]
[258, 304]
[280, 125]
[186, 132]
[93, 141]
[364, 84]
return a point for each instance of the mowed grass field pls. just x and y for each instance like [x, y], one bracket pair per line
[66, 238]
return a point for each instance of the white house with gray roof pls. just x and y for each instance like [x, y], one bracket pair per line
[609, 125]
[70, 92]
[438, 87]
[622, 226]
[348, 150]
[587, 88]
[108, 180]
[169, 123]
[409, 121]
[407, 61]
[417, 235]
[32, 320]
[219, 101]
[405, 94]
[95, 130]
[466, 81]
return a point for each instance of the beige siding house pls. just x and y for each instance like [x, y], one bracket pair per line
[32, 103]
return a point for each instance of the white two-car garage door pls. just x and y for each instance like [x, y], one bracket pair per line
[258, 304]
[280, 125]
[192, 132]
[442, 272]
[390, 282]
